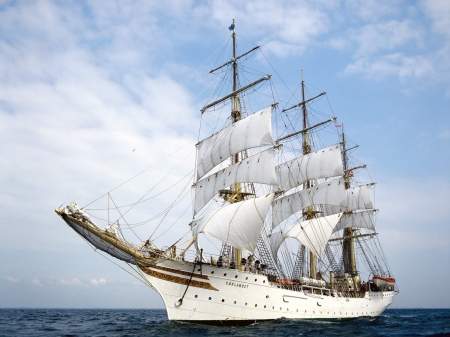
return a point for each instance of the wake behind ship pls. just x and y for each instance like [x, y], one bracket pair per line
[293, 224]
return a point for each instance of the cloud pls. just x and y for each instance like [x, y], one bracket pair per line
[98, 282]
[288, 27]
[444, 135]
[36, 282]
[396, 64]
[389, 35]
[12, 279]
[370, 10]
[75, 282]
[439, 11]
[402, 203]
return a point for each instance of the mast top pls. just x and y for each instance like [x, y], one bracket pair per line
[232, 26]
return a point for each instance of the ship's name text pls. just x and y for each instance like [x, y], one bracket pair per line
[233, 284]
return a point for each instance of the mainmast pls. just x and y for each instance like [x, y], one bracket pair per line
[348, 244]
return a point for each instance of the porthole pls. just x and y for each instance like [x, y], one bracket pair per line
[225, 274]
[264, 307]
[273, 307]
[267, 296]
[264, 281]
[212, 272]
[235, 276]
[196, 296]
[209, 298]
[256, 280]
[246, 278]
[256, 305]
[245, 303]
[234, 302]
[223, 300]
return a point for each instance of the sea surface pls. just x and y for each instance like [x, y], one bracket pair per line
[108, 322]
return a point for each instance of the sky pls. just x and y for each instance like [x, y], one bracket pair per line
[92, 93]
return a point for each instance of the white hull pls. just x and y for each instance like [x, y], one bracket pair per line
[221, 295]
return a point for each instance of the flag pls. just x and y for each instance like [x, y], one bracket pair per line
[338, 125]
[232, 26]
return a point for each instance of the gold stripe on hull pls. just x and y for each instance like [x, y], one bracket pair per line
[176, 279]
[181, 272]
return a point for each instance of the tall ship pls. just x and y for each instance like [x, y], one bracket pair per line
[283, 223]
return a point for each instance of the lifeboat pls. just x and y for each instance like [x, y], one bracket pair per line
[285, 281]
[383, 281]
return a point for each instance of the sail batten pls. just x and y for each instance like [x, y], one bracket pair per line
[239, 224]
[325, 163]
[327, 193]
[252, 131]
[255, 169]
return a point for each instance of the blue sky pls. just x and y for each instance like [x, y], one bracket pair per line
[84, 83]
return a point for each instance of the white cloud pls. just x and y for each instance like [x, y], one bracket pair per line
[74, 281]
[444, 135]
[288, 26]
[98, 282]
[371, 9]
[36, 282]
[389, 35]
[439, 11]
[397, 64]
[12, 279]
[402, 205]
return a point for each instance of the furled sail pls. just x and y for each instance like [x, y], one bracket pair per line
[328, 193]
[252, 131]
[239, 224]
[259, 168]
[314, 233]
[363, 219]
[324, 163]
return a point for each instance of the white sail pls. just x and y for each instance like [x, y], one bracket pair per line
[252, 131]
[313, 234]
[255, 169]
[324, 163]
[239, 224]
[359, 197]
[328, 193]
[364, 219]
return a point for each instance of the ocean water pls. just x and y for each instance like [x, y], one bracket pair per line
[106, 322]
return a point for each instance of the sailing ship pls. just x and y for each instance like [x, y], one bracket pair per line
[296, 226]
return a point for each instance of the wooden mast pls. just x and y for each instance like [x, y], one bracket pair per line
[309, 213]
[349, 244]
[236, 115]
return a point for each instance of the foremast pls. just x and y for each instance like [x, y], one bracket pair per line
[237, 192]
[309, 213]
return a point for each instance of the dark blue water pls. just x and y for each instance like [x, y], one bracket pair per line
[105, 322]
